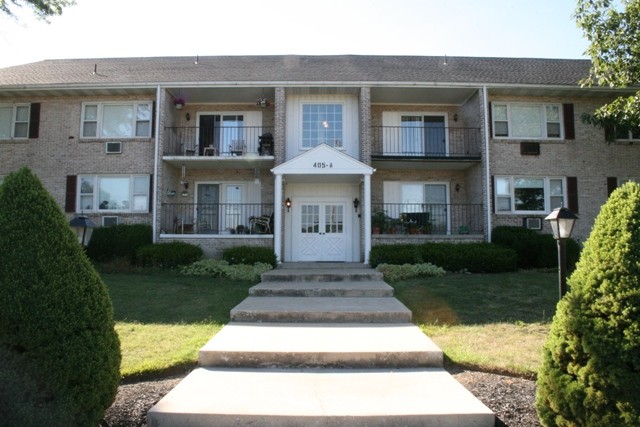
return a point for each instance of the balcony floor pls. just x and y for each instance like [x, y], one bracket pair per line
[250, 161]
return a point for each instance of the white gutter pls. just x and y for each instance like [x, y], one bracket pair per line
[155, 167]
[485, 107]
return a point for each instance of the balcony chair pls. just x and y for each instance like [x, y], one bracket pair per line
[210, 150]
[265, 145]
[237, 147]
[264, 221]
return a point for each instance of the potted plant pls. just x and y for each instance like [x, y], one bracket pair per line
[179, 102]
[394, 225]
[378, 222]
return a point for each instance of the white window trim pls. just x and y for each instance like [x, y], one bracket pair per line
[543, 124]
[99, 118]
[342, 146]
[14, 121]
[546, 188]
[96, 194]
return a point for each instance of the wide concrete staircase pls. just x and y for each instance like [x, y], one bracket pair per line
[320, 346]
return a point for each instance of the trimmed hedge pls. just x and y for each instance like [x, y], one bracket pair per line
[221, 268]
[590, 374]
[393, 273]
[474, 257]
[168, 255]
[534, 250]
[118, 241]
[250, 255]
[59, 349]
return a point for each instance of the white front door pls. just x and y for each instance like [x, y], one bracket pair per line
[321, 229]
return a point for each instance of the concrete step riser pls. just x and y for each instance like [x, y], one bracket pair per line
[301, 292]
[328, 277]
[228, 359]
[320, 317]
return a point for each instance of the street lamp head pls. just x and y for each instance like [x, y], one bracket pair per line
[562, 221]
[82, 227]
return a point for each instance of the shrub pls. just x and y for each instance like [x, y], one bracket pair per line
[590, 374]
[168, 255]
[250, 255]
[534, 250]
[221, 268]
[118, 241]
[60, 353]
[393, 273]
[477, 257]
[397, 254]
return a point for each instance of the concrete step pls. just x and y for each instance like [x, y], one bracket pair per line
[320, 397]
[253, 345]
[321, 275]
[321, 310]
[374, 288]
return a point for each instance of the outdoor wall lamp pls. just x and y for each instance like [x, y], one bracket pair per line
[455, 117]
[562, 221]
[82, 227]
[356, 203]
[457, 188]
[187, 116]
[287, 203]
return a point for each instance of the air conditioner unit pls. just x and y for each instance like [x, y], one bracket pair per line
[530, 148]
[532, 223]
[113, 147]
[109, 220]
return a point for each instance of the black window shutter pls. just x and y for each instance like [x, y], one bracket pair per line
[609, 133]
[34, 120]
[70, 193]
[572, 194]
[569, 123]
[490, 121]
[612, 184]
[153, 120]
[150, 192]
[493, 207]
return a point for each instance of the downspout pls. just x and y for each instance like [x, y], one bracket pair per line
[486, 161]
[155, 169]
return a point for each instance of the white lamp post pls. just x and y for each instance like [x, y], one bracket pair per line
[83, 227]
[562, 221]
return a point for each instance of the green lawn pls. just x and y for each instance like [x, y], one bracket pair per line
[495, 322]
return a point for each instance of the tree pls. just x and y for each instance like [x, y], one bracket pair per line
[590, 374]
[59, 350]
[612, 28]
[43, 9]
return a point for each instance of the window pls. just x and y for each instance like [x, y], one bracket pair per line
[122, 193]
[322, 124]
[528, 194]
[116, 120]
[14, 121]
[517, 120]
[626, 133]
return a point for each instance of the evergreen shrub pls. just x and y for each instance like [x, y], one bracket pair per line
[393, 273]
[250, 255]
[168, 255]
[590, 373]
[398, 254]
[59, 350]
[475, 257]
[118, 241]
[221, 268]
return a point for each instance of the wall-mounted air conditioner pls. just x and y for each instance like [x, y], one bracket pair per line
[109, 220]
[113, 147]
[532, 223]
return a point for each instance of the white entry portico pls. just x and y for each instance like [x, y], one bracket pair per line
[322, 223]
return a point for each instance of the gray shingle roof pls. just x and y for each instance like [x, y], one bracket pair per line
[252, 69]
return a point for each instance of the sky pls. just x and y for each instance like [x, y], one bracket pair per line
[142, 28]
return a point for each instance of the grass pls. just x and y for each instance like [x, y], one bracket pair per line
[494, 322]
[163, 319]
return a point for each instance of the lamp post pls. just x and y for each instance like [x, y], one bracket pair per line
[562, 221]
[82, 227]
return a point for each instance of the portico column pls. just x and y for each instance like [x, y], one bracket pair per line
[277, 218]
[367, 217]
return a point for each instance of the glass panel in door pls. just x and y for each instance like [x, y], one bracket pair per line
[207, 208]
[232, 135]
[412, 136]
[232, 215]
[435, 198]
[333, 239]
[435, 136]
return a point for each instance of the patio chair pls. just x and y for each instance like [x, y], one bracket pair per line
[265, 223]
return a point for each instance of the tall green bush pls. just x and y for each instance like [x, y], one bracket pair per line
[590, 374]
[168, 255]
[250, 255]
[60, 352]
[118, 241]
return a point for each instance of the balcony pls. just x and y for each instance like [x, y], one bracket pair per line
[422, 218]
[229, 219]
[453, 148]
[219, 147]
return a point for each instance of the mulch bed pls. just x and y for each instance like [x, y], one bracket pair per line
[512, 399]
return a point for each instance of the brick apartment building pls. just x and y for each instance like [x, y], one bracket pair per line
[319, 157]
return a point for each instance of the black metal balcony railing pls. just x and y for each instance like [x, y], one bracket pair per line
[420, 218]
[427, 142]
[218, 218]
[218, 141]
